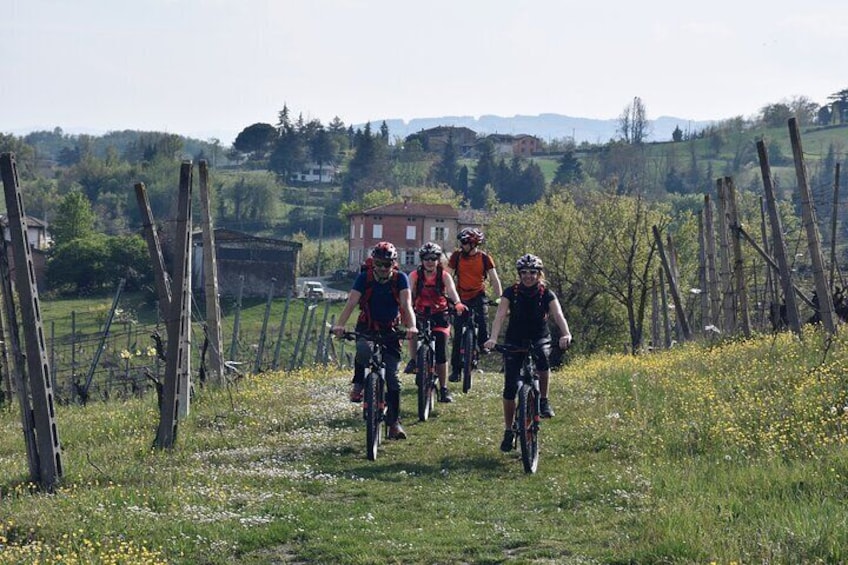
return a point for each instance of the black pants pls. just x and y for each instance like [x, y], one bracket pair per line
[480, 311]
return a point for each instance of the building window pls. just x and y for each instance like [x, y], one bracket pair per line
[377, 231]
[439, 233]
[361, 230]
[409, 257]
[410, 232]
[352, 230]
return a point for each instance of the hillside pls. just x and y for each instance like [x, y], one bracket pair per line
[544, 126]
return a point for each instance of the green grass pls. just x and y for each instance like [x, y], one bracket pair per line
[729, 452]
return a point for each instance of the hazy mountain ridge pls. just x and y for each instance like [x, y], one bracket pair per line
[544, 126]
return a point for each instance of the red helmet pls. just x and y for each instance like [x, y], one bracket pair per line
[384, 250]
[471, 235]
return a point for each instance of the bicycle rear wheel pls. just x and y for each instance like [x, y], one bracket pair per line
[468, 351]
[373, 412]
[528, 427]
[424, 380]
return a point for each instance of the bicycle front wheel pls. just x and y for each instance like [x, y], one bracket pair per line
[528, 427]
[424, 380]
[469, 350]
[373, 413]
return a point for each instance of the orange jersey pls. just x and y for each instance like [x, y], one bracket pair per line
[470, 271]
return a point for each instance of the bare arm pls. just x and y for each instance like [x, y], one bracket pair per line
[352, 301]
[555, 311]
[450, 287]
[407, 315]
[500, 316]
[496, 282]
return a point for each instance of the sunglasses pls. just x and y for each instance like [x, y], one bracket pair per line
[382, 264]
[528, 272]
[430, 258]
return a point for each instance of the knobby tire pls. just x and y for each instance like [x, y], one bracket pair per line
[468, 351]
[373, 412]
[528, 427]
[424, 380]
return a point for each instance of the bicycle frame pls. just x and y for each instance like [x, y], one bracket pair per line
[425, 375]
[374, 405]
[527, 417]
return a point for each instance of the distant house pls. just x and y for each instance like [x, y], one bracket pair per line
[435, 139]
[36, 232]
[256, 259]
[521, 145]
[39, 242]
[408, 225]
[315, 173]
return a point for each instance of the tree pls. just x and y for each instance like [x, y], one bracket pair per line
[484, 175]
[569, 170]
[677, 134]
[620, 251]
[775, 115]
[633, 122]
[256, 139]
[446, 169]
[74, 219]
[368, 169]
[323, 149]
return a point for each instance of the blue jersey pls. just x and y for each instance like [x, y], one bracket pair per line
[383, 307]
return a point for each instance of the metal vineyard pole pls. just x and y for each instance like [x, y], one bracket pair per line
[38, 369]
[210, 273]
[712, 269]
[741, 289]
[177, 351]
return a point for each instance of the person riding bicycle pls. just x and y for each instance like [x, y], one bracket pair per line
[432, 290]
[528, 303]
[382, 293]
[471, 267]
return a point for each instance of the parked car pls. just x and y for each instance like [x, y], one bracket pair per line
[312, 289]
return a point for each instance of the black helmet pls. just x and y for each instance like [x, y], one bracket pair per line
[529, 261]
[471, 235]
[384, 250]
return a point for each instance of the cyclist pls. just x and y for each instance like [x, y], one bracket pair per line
[432, 288]
[471, 267]
[382, 293]
[528, 303]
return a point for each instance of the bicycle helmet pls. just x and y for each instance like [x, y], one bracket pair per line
[385, 251]
[429, 249]
[529, 261]
[471, 235]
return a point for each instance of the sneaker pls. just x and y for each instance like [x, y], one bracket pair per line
[454, 376]
[410, 367]
[445, 395]
[356, 392]
[396, 431]
[545, 410]
[508, 443]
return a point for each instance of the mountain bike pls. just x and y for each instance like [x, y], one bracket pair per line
[374, 392]
[425, 375]
[525, 425]
[469, 350]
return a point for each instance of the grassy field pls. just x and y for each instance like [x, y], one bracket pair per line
[715, 453]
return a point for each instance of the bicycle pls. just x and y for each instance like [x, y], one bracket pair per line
[426, 379]
[525, 425]
[469, 350]
[374, 405]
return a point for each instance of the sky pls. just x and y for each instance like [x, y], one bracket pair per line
[210, 68]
